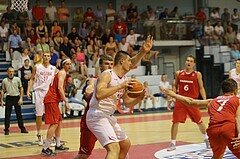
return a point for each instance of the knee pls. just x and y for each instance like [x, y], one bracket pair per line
[113, 148]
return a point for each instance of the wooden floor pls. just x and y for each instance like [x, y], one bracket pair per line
[142, 128]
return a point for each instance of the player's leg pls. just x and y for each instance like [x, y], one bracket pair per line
[124, 148]
[113, 150]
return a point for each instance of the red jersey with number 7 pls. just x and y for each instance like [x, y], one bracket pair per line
[223, 109]
[188, 84]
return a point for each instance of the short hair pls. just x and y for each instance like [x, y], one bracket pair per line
[229, 86]
[120, 55]
[26, 60]
[193, 57]
[105, 58]
[10, 67]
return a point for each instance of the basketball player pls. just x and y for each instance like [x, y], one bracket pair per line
[224, 121]
[189, 83]
[53, 116]
[235, 74]
[100, 119]
[42, 76]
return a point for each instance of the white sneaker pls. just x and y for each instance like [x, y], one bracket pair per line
[53, 142]
[171, 147]
[40, 140]
[207, 143]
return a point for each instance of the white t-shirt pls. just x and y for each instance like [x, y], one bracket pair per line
[219, 30]
[51, 12]
[208, 29]
[110, 11]
[123, 47]
[164, 85]
[132, 39]
[3, 31]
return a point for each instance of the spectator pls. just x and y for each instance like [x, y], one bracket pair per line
[29, 12]
[14, 43]
[134, 19]
[225, 17]
[235, 52]
[219, 31]
[33, 37]
[93, 52]
[99, 13]
[23, 16]
[12, 86]
[27, 28]
[8, 16]
[146, 96]
[105, 38]
[30, 47]
[164, 14]
[26, 72]
[196, 30]
[38, 11]
[51, 11]
[66, 49]
[48, 39]
[149, 22]
[43, 45]
[147, 62]
[78, 15]
[132, 39]
[22, 58]
[56, 28]
[235, 16]
[16, 27]
[84, 31]
[123, 12]
[119, 35]
[120, 26]
[63, 14]
[89, 16]
[41, 29]
[201, 16]
[111, 48]
[230, 36]
[73, 36]
[110, 13]
[57, 41]
[97, 30]
[209, 34]
[54, 56]
[92, 36]
[174, 13]
[3, 34]
[81, 61]
[124, 46]
[131, 8]
[214, 16]
[38, 58]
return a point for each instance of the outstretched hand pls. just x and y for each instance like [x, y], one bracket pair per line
[147, 45]
[169, 92]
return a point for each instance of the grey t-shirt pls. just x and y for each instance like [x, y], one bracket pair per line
[12, 86]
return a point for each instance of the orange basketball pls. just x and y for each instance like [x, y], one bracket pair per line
[136, 90]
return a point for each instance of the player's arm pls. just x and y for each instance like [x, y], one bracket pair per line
[175, 87]
[129, 102]
[2, 94]
[236, 141]
[31, 81]
[229, 74]
[201, 87]
[187, 100]
[61, 78]
[146, 47]
[102, 89]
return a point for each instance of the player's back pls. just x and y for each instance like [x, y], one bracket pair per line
[223, 109]
[188, 84]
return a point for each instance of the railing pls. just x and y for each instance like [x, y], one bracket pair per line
[160, 29]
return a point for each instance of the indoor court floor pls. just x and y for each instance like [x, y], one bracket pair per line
[149, 134]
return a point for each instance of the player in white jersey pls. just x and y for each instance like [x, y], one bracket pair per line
[109, 88]
[41, 78]
[235, 74]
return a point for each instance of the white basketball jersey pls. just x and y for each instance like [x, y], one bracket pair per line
[43, 76]
[236, 77]
[108, 105]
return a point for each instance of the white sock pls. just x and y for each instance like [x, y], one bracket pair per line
[46, 144]
[205, 136]
[58, 141]
[127, 156]
[173, 142]
[39, 132]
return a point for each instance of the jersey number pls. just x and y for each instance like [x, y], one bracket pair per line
[186, 88]
[222, 103]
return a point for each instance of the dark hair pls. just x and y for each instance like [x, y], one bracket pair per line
[229, 86]
[120, 55]
[104, 58]
[62, 63]
[10, 68]
[191, 56]
[26, 60]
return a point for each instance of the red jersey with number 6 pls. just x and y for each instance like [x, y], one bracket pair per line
[188, 84]
[223, 109]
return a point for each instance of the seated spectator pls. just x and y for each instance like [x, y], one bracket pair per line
[3, 34]
[70, 92]
[89, 16]
[48, 39]
[93, 52]
[164, 14]
[235, 52]
[43, 45]
[78, 15]
[97, 30]
[219, 31]
[134, 19]
[8, 16]
[111, 48]
[30, 47]
[196, 30]
[225, 17]
[66, 49]
[105, 38]
[16, 27]
[38, 58]
[92, 36]
[230, 36]
[74, 71]
[174, 13]
[146, 96]
[57, 41]
[41, 29]
[38, 12]
[23, 16]
[124, 46]
[73, 36]
[84, 31]
[33, 37]
[201, 16]
[22, 58]
[235, 16]
[209, 34]
[27, 28]
[132, 39]
[214, 16]
[26, 72]
[54, 56]
[120, 26]
[56, 28]
[14, 43]
[119, 36]
[147, 62]
[99, 13]
[81, 61]
[123, 12]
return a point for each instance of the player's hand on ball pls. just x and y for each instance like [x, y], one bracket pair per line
[236, 142]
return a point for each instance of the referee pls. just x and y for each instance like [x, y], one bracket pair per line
[12, 86]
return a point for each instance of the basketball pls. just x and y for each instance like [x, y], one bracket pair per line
[136, 90]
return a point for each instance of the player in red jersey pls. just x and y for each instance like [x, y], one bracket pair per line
[53, 116]
[188, 83]
[87, 138]
[224, 122]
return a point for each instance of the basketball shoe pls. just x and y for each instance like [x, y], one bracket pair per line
[207, 143]
[40, 139]
[48, 152]
[171, 147]
[61, 148]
